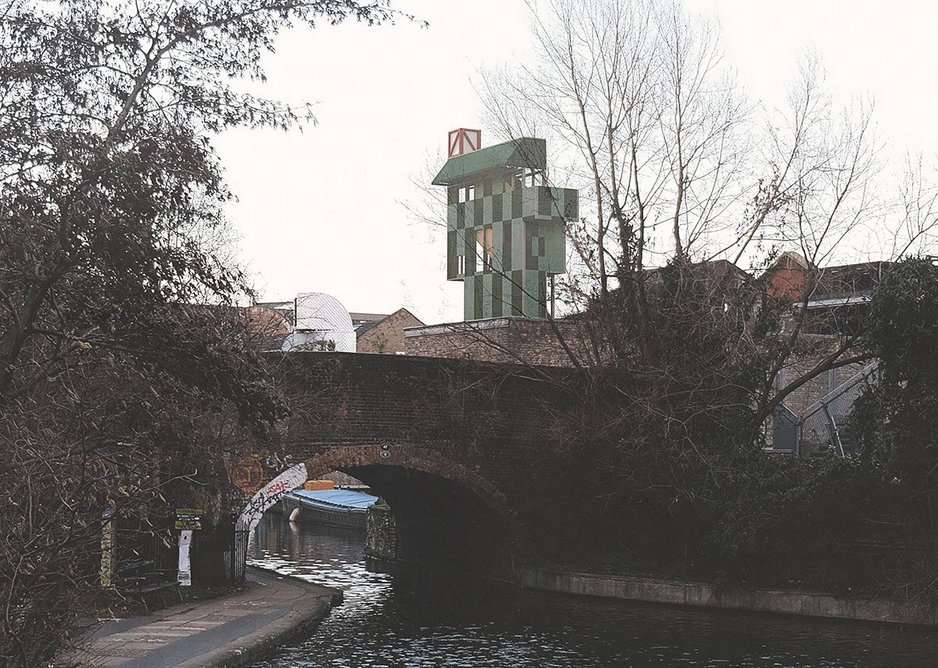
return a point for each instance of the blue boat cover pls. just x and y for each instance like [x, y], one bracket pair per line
[339, 497]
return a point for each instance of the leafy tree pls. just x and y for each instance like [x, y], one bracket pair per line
[112, 385]
[900, 417]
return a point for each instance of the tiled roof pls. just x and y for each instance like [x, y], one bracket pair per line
[373, 320]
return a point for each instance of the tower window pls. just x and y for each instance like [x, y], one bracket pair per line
[533, 177]
[485, 247]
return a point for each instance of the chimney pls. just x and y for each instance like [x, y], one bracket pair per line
[463, 140]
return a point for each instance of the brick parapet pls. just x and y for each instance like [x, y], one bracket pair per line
[482, 417]
[508, 339]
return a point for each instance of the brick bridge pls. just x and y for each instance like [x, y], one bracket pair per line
[451, 445]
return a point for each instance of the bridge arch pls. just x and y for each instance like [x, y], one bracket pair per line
[430, 462]
[446, 513]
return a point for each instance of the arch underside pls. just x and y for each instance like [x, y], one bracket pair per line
[446, 514]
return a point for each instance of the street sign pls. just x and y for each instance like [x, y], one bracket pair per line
[189, 519]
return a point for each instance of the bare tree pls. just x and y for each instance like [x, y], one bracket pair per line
[678, 167]
[640, 94]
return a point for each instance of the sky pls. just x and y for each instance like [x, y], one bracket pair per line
[329, 208]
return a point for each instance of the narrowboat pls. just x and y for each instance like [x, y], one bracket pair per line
[343, 508]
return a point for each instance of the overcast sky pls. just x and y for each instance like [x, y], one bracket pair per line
[323, 210]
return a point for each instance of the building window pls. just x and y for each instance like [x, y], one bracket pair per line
[467, 193]
[485, 247]
[460, 265]
[533, 177]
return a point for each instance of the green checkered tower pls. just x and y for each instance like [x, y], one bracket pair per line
[505, 225]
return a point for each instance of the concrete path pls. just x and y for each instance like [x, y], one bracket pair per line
[233, 630]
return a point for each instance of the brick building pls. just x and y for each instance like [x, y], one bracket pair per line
[380, 333]
[386, 334]
[835, 299]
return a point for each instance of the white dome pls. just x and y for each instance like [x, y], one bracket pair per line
[321, 319]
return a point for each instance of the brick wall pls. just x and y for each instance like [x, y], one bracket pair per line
[484, 418]
[786, 281]
[512, 340]
[456, 447]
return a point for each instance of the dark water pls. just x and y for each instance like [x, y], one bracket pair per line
[425, 619]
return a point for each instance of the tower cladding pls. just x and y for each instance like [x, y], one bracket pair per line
[505, 225]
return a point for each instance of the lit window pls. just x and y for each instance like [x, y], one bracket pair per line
[485, 247]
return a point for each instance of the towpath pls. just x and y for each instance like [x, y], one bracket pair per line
[232, 630]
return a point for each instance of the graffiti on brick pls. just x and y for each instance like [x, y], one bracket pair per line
[270, 494]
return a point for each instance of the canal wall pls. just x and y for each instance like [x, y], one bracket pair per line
[674, 592]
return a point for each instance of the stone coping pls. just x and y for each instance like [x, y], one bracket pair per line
[676, 592]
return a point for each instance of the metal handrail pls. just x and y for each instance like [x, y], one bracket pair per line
[822, 403]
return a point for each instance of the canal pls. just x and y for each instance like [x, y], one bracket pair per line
[426, 619]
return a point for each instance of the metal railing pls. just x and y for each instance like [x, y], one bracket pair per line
[822, 424]
[236, 560]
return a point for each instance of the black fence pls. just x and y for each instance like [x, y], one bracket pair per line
[142, 556]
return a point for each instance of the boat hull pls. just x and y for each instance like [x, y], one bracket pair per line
[323, 514]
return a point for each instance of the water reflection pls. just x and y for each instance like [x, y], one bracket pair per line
[418, 619]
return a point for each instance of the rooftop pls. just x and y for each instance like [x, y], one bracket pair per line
[525, 152]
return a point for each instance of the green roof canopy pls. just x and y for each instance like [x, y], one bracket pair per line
[523, 152]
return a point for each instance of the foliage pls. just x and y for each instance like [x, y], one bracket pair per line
[899, 419]
[668, 419]
[114, 389]
[678, 483]
[691, 358]
[903, 323]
